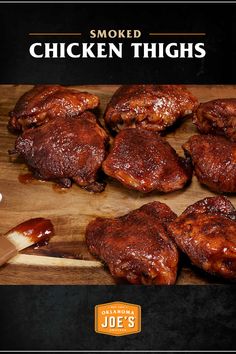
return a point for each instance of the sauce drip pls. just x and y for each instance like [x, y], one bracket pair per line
[59, 189]
[26, 178]
[39, 230]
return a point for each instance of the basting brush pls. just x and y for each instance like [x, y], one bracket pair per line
[24, 235]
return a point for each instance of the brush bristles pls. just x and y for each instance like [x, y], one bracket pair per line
[19, 240]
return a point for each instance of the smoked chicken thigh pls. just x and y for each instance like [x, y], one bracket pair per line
[153, 107]
[206, 232]
[44, 102]
[64, 150]
[136, 246]
[217, 117]
[214, 161]
[144, 161]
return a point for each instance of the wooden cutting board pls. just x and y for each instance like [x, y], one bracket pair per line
[66, 260]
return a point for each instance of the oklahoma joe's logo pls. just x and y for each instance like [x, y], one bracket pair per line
[117, 318]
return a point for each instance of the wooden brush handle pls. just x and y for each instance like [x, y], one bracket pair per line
[33, 260]
[7, 250]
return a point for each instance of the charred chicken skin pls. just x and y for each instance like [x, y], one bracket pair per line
[136, 246]
[64, 150]
[217, 117]
[214, 161]
[206, 232]
[152, 107]
[44, 102]
[144, 161]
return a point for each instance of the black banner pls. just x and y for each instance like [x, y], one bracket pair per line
[19, 21]
[173, 318]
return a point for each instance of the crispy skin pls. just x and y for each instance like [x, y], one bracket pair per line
[136, 246]
[153, 107]
[206, 232]
[217, 117]
[144, 161]
[44, 102]
[65, 150]
[214, 161]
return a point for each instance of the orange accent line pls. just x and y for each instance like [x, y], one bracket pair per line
[177, 34]
[55, 34]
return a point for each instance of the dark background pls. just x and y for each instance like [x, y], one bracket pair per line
[173, 318]
[217, 20]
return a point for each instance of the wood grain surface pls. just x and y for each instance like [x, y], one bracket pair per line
[71, 210]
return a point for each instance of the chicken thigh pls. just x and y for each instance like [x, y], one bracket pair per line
[136, 246]
[214, 161]
[152, 107]
[217, 117]
[144, 161]
[44, 102]
[206, 232]
[65, 150]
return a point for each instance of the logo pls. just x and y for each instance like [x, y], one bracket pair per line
[117, 318]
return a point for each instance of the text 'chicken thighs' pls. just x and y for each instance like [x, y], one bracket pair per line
[136, 246]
